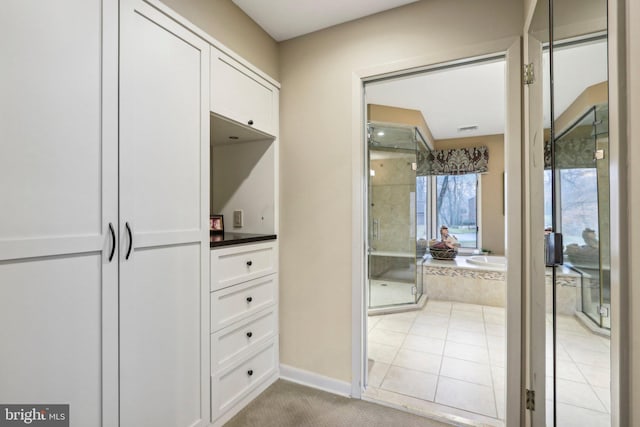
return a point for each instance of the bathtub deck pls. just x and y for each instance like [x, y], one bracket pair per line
[459, 262]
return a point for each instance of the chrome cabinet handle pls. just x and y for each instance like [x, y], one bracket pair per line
[113, 241]
[126, 224]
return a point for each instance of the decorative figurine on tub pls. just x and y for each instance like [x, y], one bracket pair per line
[447, 247]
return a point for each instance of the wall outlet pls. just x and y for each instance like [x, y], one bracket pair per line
[238, 218]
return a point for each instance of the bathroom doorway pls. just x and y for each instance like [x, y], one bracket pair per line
[435, 156]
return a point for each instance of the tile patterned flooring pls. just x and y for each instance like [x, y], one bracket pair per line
[583, 375]
[449, 359]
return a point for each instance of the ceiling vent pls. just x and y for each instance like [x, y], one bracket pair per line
[467, 128]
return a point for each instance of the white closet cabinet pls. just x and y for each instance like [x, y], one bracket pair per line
[164, 200]
[241, 95]
[244, 325]
[59, 212]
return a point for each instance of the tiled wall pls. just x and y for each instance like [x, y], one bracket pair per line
[465, 285]
[391, 190]
[487, 287]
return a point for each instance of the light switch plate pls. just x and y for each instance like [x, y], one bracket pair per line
[237, 218]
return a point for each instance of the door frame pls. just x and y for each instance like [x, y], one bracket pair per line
[533, 240]
[511, 51]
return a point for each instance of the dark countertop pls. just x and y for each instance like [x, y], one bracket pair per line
[228, 239]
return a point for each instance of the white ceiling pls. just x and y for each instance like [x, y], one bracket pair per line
[576, 67]
[475, 94]
[286, 19]
[450, 98]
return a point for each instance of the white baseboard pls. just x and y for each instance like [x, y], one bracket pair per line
[311, 379]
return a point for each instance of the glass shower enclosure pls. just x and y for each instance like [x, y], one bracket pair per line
[398, 217]
[582, 198]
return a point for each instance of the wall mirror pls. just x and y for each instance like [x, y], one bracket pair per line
[568, 119]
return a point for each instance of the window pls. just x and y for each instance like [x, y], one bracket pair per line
[578, 198]
[457, 207]
[422, 213]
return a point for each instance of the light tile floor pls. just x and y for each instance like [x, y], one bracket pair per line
[449, 358]
[583, 375]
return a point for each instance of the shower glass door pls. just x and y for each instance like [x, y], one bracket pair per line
[582, 196]
[394, 263]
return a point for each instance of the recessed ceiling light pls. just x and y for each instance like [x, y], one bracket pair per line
[467, 128]
[381, 133]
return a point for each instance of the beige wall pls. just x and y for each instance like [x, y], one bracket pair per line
[317, 142]
[228, 24]
[492, 191]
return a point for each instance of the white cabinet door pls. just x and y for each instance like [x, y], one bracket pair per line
[241, 95]
[164, 151]
[58, 190]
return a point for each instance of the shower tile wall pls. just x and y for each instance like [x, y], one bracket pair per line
[391, 189]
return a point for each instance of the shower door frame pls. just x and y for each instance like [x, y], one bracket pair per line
[513, 197]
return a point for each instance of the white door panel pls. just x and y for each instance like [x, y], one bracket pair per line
[513, 210]
[160, 122]
[164, 149]
[50, 310]
[534, 267]
[58, 186]
[50, 151]
[160, 338]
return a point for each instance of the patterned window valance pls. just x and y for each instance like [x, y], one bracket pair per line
[456, 161]
[575, 153]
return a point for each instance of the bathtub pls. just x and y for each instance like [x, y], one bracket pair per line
[475, 279]
[488, 261]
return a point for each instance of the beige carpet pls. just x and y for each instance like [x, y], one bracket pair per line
[287, 404]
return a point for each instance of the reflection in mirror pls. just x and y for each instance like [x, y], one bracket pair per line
[577, 205]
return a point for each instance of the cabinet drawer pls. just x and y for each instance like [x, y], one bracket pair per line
[229, 386]
[241, 95]
[238, 264]
[231, 343]
[232, 304]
